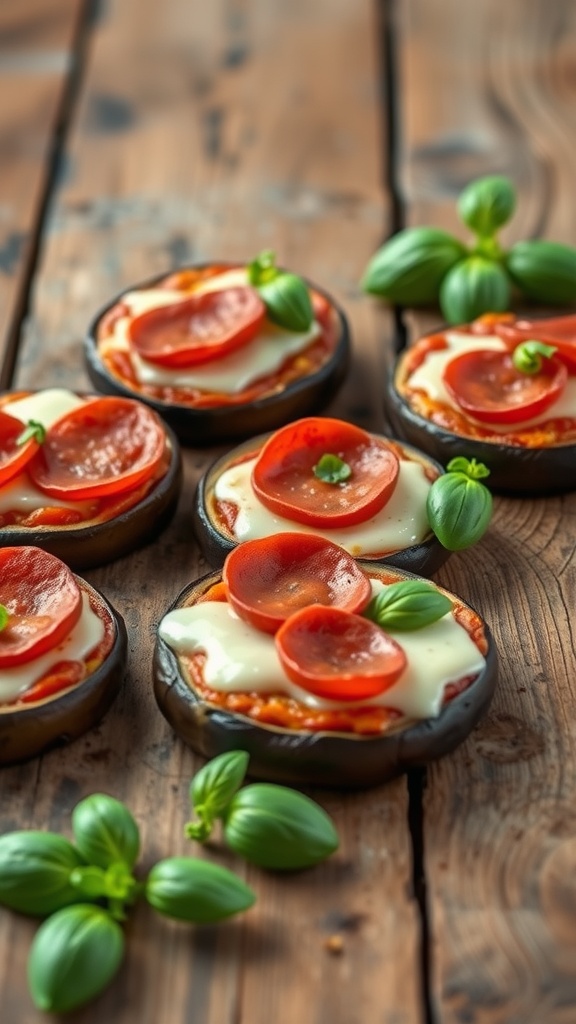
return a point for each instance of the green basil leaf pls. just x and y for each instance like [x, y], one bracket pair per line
[527, 357]
[4, 616]
[487, 203]
[74, 955]
[32, 430]
[279, 828]
[287, 302]
[409, 268]
[474, 286]
[35, 870]
[212, 789]
[263, 268]
[105, 831]
[544, 271]
[331, 469]
[470, 467]
[459, 510]
[407, 606]
[196, 890]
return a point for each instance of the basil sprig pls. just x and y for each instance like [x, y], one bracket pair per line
[424, 265]
[272, 826]
[285, 295]
[409, 605]
[33, 431]
[459, 505]
[4, 616]
[331, 469]
[527, 357]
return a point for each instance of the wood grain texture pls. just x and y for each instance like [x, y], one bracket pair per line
[500, 828]
[36, 57]
[210, 131]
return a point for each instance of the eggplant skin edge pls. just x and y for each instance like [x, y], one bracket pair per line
[332, 760]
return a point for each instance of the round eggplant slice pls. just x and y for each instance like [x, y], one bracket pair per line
[213, 424]
[95, 543]
[513, 469]
[215, 540]
[332, 759]
[27, 730]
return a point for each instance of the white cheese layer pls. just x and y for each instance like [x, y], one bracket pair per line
[229, 374]
[241, 659]
[86, 635]
[428, 378]
[46, 407]
[400, 524]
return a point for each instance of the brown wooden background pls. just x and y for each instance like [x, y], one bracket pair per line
[135, 136]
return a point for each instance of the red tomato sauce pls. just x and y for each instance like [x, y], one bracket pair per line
[555, 431]
[64, 675]
[119, 362]
[98, 510]
[285, 712]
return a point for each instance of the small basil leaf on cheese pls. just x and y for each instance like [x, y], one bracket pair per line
[408, 605]
[285, 295]
[263, 268]
[32, 431]
[3, 617]
[527, 357]
[331, 469]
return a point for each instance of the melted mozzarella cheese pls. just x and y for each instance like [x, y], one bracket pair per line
[400, 524]
[428, 378]
[45, 406]
[241, 659]
[229, 374]
[86, 635]
[21, 495]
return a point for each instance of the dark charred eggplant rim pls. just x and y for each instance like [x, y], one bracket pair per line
[29, 730]
[202, 427]
[424, 558]
[315, 758]
[96, 544]
[513, 470]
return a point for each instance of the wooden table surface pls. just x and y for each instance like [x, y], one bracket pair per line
[136, 136]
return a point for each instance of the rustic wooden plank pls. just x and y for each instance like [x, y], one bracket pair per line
[37, 39]
[500, 829]
[213, 131]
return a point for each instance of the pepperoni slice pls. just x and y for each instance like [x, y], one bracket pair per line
[103, 447]
[486, 385]
[43, 601]
[199, 329]
[268, 580]
[13, 456]
[338, 656]
[283, 477]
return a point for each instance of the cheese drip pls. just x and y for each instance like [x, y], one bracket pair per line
[400, 524]
[86, 635]
[239, 658]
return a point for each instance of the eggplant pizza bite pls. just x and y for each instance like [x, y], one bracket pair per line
[62, 653]
[367, 493]
[325, 670]
[222, 351]
[500, 390]
[86, 478]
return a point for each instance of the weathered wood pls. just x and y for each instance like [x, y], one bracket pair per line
[214, 130]
[500, 829]
[37, 40]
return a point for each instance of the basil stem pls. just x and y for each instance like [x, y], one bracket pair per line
[32, 431]
[76, 952]
[407, 606]
[527, 357]
[331, 469]
[105, 831]
[212, 789]
[4, 617]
